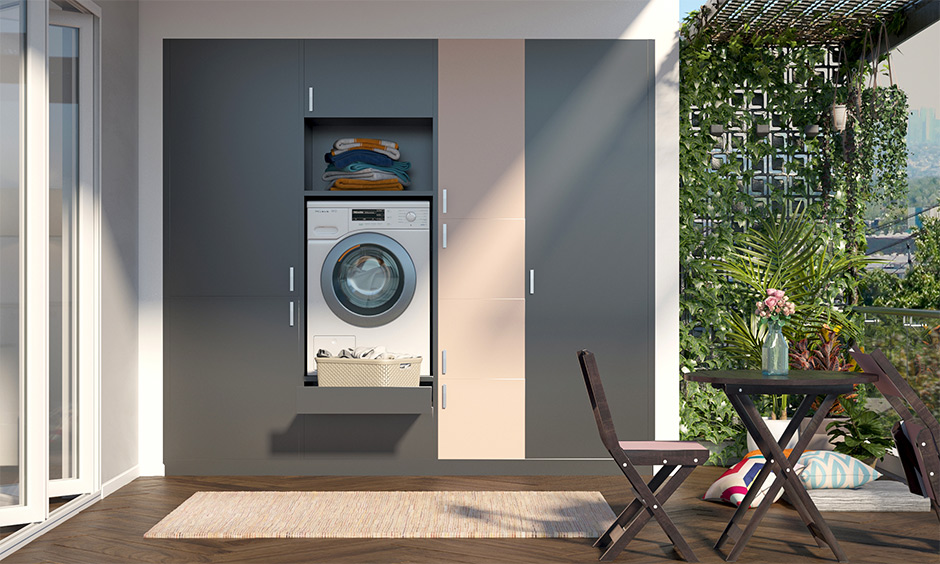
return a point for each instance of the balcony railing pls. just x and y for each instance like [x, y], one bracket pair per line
[910, 338]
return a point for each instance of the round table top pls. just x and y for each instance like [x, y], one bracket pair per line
[796, 379]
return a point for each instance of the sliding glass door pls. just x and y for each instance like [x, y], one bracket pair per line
[22, 487]
[48, 256]
[12, 89]
[71, 178]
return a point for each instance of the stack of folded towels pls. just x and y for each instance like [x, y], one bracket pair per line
[365, 164]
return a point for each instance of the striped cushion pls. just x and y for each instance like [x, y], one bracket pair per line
[732, 486]
[828, 469]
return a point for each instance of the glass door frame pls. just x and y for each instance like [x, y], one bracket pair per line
[84, 331]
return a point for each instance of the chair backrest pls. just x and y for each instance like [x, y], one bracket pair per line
[595, 390]
[917, 435]
[897, 390]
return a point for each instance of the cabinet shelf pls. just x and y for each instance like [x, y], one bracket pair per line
[352, 401]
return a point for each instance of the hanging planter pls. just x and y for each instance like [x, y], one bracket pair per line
[839, 114]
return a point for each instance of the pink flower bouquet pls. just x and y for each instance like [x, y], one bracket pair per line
[775, 308]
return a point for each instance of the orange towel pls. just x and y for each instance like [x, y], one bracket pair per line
[358, 184]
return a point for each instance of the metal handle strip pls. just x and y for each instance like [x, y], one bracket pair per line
[444, 361]
[445, 236]
[292, 314]
[310, 99]
[443, 396]
[531, 281]
[445, 200]
[292, 279]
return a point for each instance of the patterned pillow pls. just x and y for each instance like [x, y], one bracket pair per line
[829, 469]
[732, 486]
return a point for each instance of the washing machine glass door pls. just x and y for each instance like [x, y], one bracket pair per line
[368, 279]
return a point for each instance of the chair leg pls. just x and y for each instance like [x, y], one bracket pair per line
[653, 508]
[635, 506]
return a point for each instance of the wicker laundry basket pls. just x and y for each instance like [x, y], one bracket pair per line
[356, 372]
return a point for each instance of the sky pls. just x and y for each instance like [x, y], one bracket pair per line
[915, 63]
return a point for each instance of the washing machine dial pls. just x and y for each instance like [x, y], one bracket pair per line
[411, 216]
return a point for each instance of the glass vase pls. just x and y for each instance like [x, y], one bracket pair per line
[775, 352]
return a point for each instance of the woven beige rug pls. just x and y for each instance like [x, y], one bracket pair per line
[460, 514]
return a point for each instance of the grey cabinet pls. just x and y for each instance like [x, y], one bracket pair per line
[381, 78]
[233, 184]
[233, 166]
[589, 239]
[233, 365]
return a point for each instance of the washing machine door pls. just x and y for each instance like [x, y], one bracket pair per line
[368, 279]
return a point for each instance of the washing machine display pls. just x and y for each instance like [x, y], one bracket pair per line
[371, 280]
[369, 277]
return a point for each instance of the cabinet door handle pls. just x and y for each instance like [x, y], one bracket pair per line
[531, 281]
[292, 279]
[444, 361]
[292, 314]
[310, 99]
[443, 396]
[445, 200]
[445, 236]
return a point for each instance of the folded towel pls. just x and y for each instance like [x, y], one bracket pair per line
[381, 188]
[387, 151]
[351, 142]
[362, 175]
[369, 172]
[357, 184]
[358, 155]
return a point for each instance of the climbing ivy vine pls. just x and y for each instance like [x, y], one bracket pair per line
[830, 176]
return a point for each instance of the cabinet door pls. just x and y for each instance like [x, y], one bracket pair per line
[233, 166]
[232, 368]
[379, 78]
[481, 127]
[482, 419]
[589, 239]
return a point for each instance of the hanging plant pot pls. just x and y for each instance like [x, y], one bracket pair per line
[839, 113]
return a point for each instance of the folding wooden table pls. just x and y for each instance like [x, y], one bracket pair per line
[739, 385]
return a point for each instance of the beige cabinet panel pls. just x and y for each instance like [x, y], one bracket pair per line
[484, 258]
[484, 339]
[481, 127]
[483, 419]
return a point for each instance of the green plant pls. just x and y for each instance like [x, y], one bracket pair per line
[864, 435]
[706, 414]
[793, 255]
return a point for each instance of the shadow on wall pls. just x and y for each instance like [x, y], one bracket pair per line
[343, 434]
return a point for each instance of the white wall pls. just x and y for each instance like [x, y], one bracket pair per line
[533, 19]
[119, 194]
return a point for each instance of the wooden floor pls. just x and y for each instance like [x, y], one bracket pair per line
[112, 530]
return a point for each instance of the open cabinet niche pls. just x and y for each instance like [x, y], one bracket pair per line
[413, 135]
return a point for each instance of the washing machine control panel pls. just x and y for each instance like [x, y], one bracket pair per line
[388, 218]
[328, 222]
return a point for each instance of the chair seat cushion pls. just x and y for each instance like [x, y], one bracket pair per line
[733, 485]
[689, 453]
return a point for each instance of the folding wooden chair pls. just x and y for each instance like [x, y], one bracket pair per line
[917, 434]
[684, 455]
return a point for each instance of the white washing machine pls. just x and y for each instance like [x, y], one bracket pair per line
[369, 277]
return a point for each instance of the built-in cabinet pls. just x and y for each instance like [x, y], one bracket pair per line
[371, 78]
[538, 157]
[481, 160]
[589, 239]
[233, 262]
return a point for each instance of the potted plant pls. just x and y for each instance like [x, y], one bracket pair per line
[862, 435]
[824, 352]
